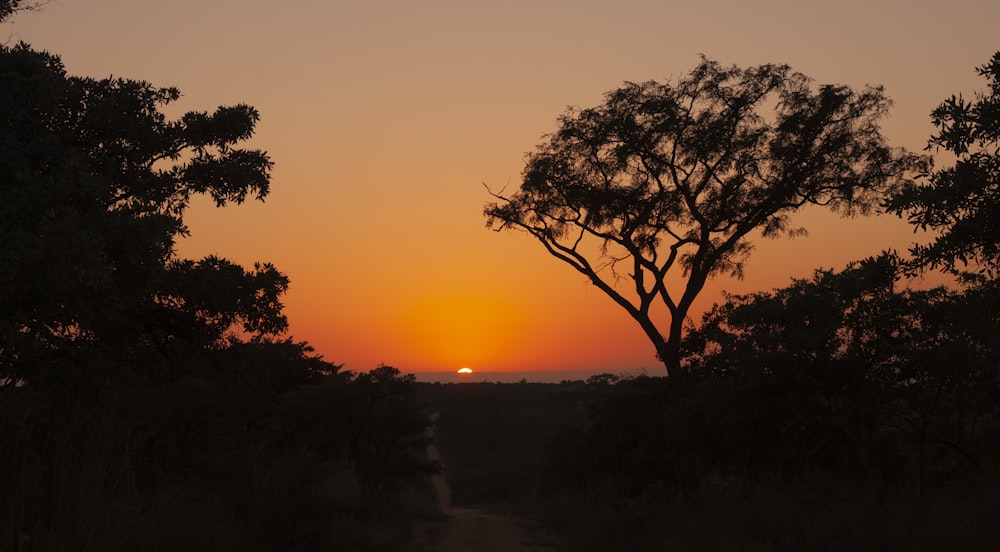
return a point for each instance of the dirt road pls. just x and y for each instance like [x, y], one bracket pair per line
[470, 529]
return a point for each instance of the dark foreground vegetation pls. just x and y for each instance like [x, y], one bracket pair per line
[253, 450]
[783, 452]
[870, 420]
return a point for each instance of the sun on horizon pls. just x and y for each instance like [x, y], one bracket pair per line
[465, 370]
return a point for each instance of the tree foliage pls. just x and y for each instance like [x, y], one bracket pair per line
[961, 202]
[95, 181]
[857, 369]
[667, 178]
[10, 7]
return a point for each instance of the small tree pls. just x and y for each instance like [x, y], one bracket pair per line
[961, 201]
[673, 177]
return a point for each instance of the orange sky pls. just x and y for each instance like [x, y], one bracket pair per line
[385, 119]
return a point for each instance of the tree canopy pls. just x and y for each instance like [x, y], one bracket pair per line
[95, 181]
[668, 179]
[962, 201]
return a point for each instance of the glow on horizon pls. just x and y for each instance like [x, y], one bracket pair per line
[384, 122]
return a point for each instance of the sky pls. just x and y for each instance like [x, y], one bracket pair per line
[386, 121]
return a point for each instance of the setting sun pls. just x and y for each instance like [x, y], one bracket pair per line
[465, 370]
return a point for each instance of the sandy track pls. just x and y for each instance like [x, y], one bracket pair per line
[470, 529]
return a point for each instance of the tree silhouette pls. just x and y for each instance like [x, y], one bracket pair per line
[673, 177]
[863, 367]
[95, 181]
[961, 201]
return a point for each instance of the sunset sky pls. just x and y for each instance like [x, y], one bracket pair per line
[386, 119]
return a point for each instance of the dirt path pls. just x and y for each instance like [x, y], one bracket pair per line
[470, 529]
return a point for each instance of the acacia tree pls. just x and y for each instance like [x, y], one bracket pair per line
[961, 201]
[670, 179]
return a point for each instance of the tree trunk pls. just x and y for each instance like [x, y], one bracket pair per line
[670, 355]
[668, 350]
